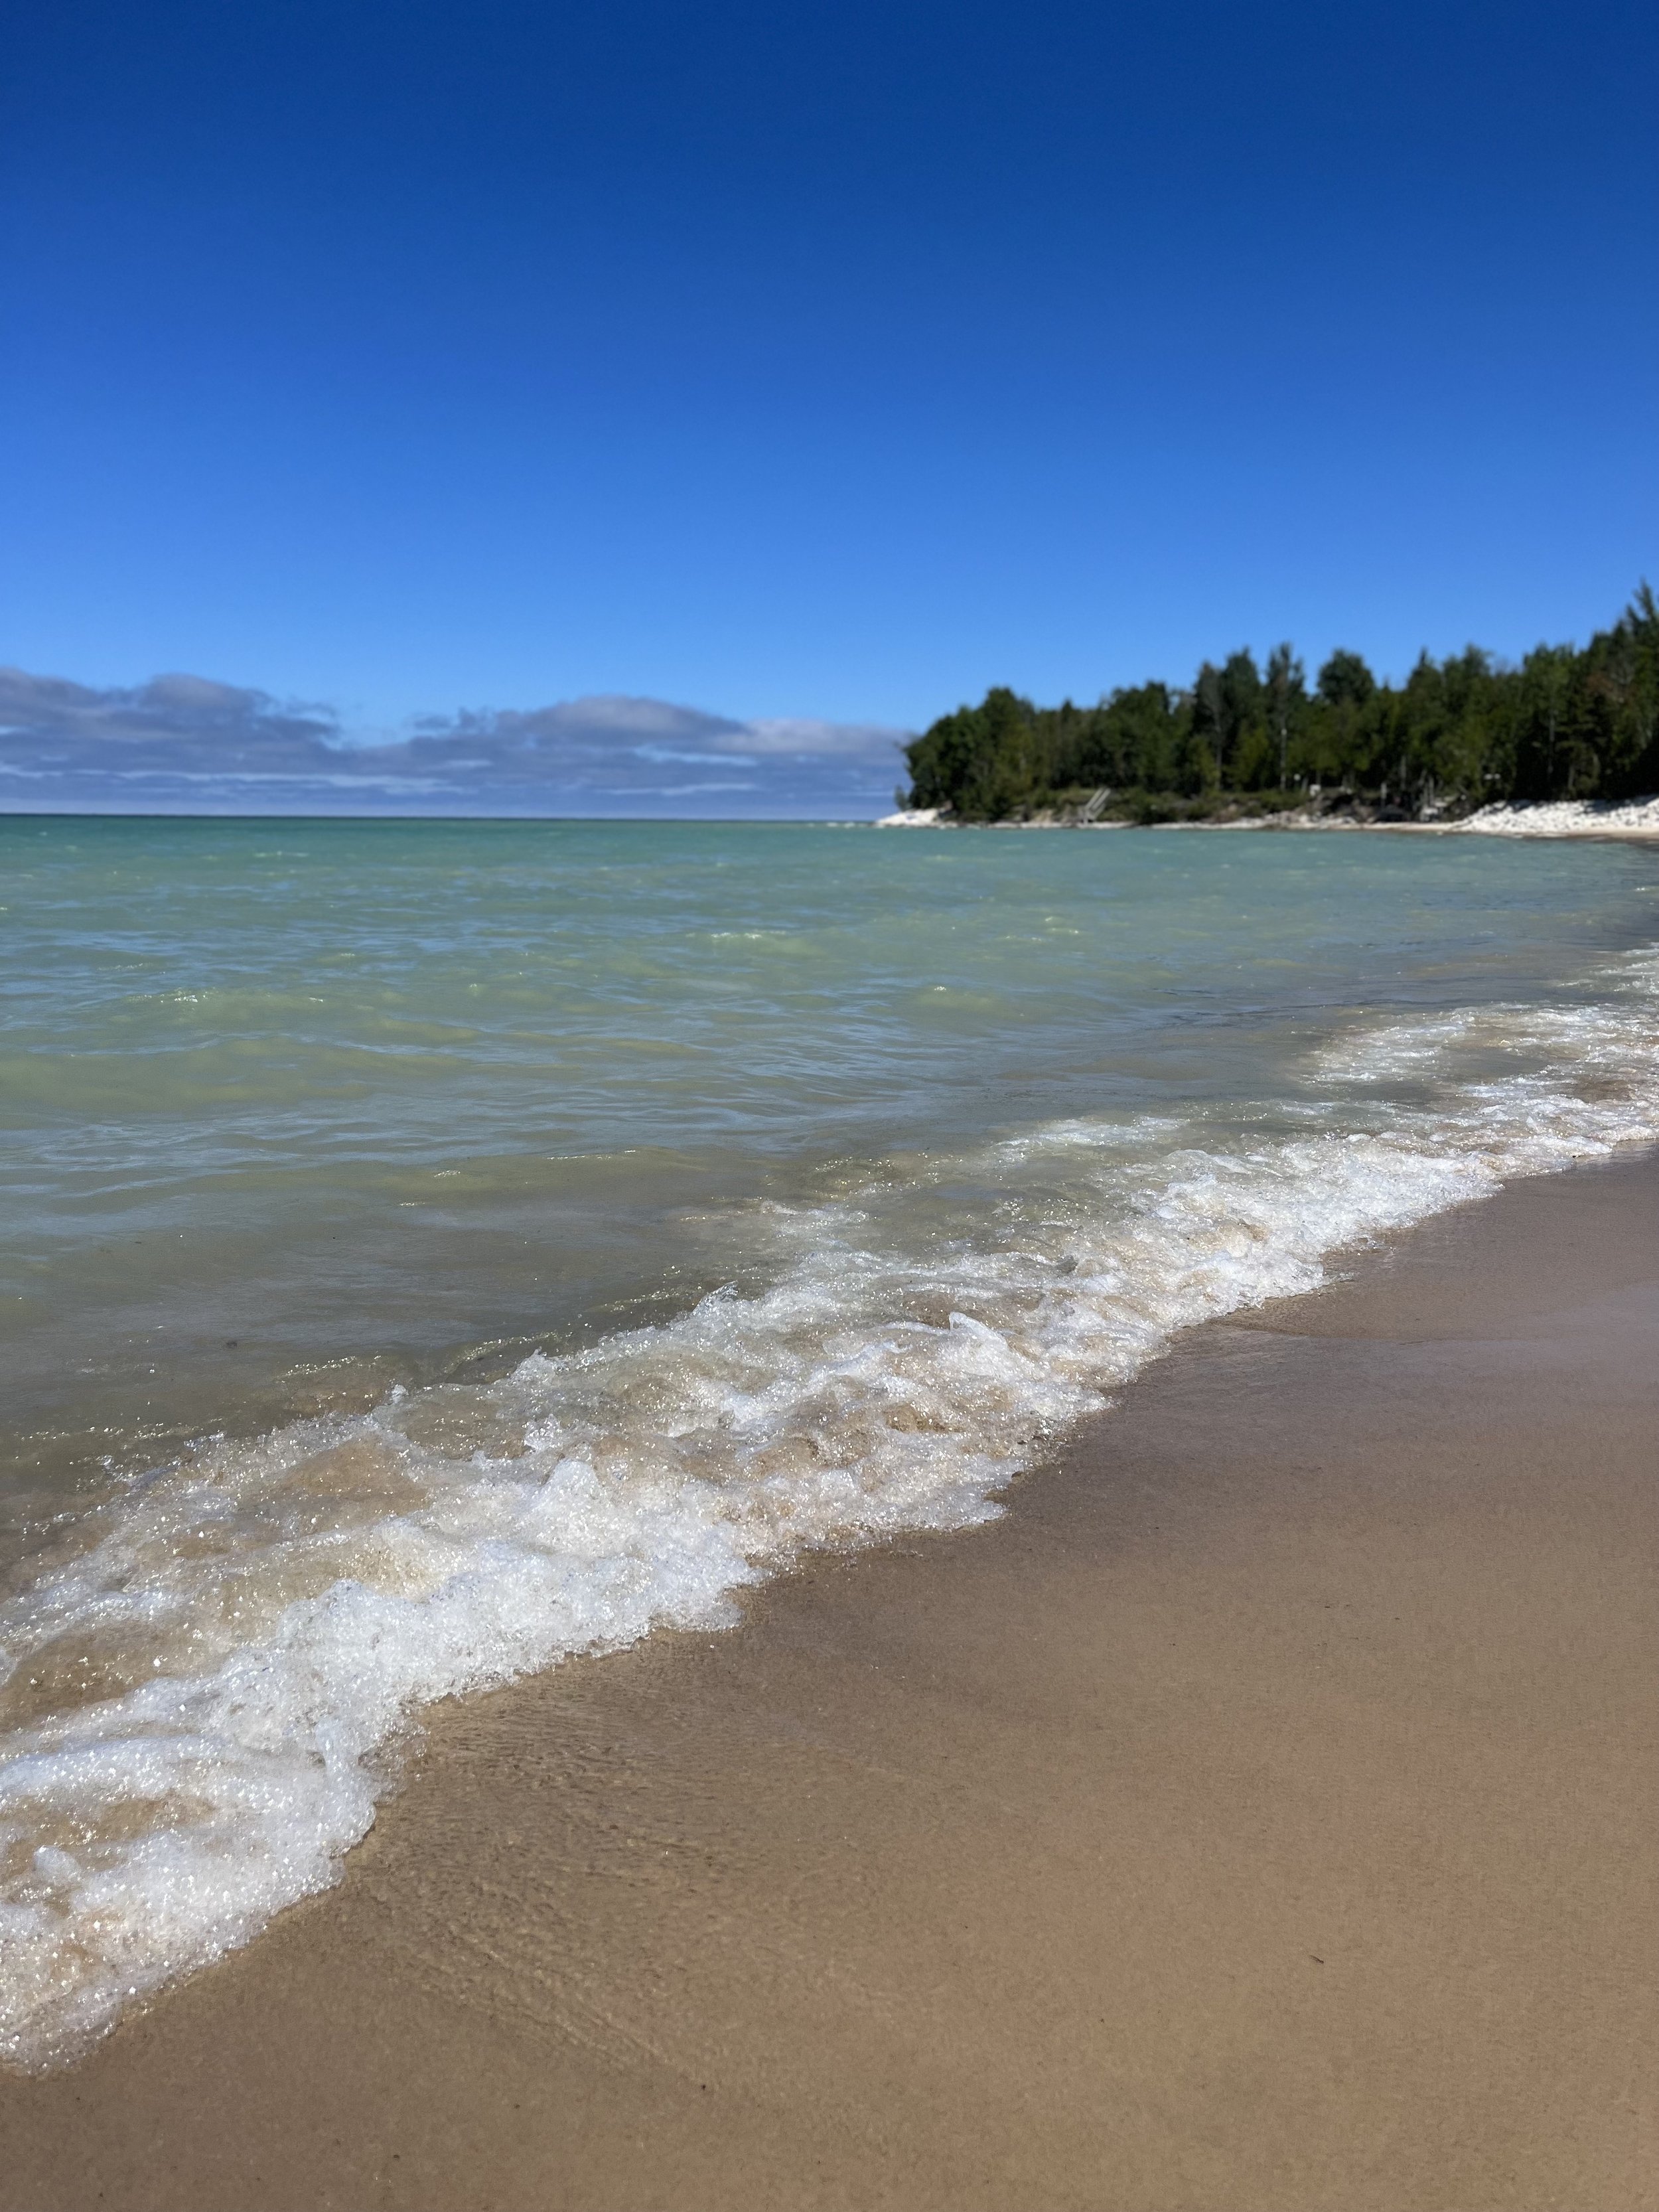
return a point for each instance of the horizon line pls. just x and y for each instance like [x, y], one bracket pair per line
[207, 814]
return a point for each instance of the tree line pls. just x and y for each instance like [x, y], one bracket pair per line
[1567, 723]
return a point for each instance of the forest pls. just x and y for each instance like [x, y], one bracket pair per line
[1568, 722]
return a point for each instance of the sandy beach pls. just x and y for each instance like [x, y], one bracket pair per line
[1256, 1816]
[705, 1510]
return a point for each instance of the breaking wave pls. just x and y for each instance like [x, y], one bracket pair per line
[195, 1690]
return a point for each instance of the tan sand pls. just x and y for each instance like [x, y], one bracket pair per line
[1261, 1816]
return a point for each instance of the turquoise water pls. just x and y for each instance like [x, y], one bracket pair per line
[383, 1092]
[428, 1248]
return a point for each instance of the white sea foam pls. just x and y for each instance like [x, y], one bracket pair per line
[200, 1689]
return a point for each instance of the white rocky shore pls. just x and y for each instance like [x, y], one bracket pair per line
[911, 817]
[1563, 817]
[1566, 817]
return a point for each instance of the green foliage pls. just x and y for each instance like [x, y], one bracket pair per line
[1568, 723]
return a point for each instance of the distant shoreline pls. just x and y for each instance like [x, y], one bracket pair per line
[1634, 819]
[1466, 739]
[1627, 820]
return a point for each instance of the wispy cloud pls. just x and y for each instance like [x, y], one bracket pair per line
[184, 744]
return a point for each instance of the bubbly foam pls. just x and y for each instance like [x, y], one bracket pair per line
[195, 1693]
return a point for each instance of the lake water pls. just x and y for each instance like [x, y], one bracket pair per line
[432, 1249]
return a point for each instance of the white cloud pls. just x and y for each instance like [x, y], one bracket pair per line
[186, 742]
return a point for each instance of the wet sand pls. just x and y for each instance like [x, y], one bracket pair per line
[1259, 1816]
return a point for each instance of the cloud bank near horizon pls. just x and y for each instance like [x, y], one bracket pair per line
[187, 744]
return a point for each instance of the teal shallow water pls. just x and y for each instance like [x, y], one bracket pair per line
[379, 1093]
[428, 1248]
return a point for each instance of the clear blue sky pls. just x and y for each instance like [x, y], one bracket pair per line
[802, 360]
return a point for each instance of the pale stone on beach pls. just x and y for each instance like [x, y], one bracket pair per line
[1566, 817]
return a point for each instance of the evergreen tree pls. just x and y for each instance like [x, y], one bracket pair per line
[1568, 723]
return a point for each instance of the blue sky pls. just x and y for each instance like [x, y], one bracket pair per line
[808, 368]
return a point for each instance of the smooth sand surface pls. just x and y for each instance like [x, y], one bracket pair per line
[1262, 1815]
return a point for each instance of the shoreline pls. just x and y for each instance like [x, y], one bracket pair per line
[1277, 824]
[1256, 1816]
[1517, 829]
